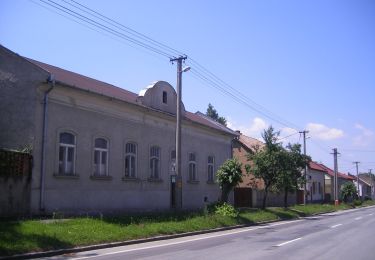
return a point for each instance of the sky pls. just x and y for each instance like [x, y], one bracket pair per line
[308, 65]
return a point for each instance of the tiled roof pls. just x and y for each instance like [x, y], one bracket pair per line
[317, 167]
[99, 87]
[250, 142]
[339, 174]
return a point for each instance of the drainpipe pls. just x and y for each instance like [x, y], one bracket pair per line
[51, 81]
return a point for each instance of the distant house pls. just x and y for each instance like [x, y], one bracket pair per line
[98, 147]
[315, 185]
[365, 187]
[329, 182]
[250, 192]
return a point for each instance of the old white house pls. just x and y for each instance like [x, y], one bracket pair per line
[98, 147]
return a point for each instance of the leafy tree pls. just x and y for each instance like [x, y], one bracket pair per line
[290, 177]
[211, 112]
[267, 161]
[229, 175]
[348, 191]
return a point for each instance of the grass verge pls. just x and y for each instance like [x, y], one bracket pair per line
[34, 235]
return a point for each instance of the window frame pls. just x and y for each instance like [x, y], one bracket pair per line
[101, 150]
[212, 164]
[165, 97]
[130, 154]
[152, 158]
[192, 164]
[66, 147]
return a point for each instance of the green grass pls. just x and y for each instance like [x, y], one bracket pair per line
[38, 235]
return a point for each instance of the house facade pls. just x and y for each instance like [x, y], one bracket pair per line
[315, 185]
[100, 148]
[250, 192]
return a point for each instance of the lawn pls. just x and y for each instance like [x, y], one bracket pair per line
[41, 235]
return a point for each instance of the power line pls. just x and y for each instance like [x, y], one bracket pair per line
[112, 27]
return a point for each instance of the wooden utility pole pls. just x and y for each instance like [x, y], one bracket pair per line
[304, 132]
[336, 197]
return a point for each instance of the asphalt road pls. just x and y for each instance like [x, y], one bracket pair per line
[340, 235]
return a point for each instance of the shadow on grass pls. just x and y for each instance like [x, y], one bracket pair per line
[14, 241]
[283, 214]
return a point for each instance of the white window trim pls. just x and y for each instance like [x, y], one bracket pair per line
[101, 150]
[213, 169]
[135, 155]
[195, 168]
[151, 174]
[74, 146]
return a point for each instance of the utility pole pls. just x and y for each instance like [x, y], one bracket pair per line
[179, 61]
[304, 132]
[356, 164]
[335, 188]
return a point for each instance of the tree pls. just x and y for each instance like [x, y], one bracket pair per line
[229, 175]
[211, 112]
[348, 191]
[291, 177]
[267, 161]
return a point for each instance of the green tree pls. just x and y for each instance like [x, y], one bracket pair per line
[268, 161]
[211, 112]
[229, 175]
[348, 191]
[292, 164]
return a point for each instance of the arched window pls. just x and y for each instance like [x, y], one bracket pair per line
[101, 157]
[130, 160]
[192, 167]
[67, 147]
[154, 162]
[210, 168]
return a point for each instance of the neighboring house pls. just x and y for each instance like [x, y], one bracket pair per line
[100, 148]
[364, 185]
[315, 182]
[370, 179]
[329, 182]
[250, 192]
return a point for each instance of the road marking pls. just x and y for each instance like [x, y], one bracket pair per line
[358, 218]
[371, 214]
[336, 225]
[189, 240]
[290, 241]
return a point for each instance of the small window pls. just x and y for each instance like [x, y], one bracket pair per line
[314, 187]
[192, 167]
[210, 168]
[101, 157]
[165, 97]
[130, 160]
[67, 147]
[154, 162]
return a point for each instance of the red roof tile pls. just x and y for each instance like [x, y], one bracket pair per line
[339, 174]
[99, 87]
[317, 167]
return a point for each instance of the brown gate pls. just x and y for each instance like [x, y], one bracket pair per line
[300, 196]
[243, 197]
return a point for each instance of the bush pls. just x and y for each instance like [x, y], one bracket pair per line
[357, 203]
[225, 209]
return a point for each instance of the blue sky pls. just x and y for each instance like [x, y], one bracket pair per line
[311, 63]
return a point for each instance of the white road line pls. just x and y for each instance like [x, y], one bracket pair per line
[290, 241]
[358, 218]
[336, 225]
[371, 214]
[189, 240]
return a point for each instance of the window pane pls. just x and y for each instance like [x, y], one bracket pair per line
[96, 157]
[66, 138]
[210, 159]
[104, 157]
[132, 169]
[191, 157]
[130, 148]
[127, 166]
[61, 153]
[101, 143]
[154, 151]
[70, 154]
[156, 165]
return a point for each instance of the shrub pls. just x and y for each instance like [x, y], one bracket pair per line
[357, 203]
[225, 209]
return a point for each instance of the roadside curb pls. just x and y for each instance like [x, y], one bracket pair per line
[153, 239]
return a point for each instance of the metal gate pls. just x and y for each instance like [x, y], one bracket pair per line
[243, 197]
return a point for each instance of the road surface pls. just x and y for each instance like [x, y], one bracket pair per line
[340, 235]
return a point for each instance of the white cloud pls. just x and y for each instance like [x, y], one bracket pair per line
[365, 137]
[289, 135]
[255, 129]
[323, 132]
